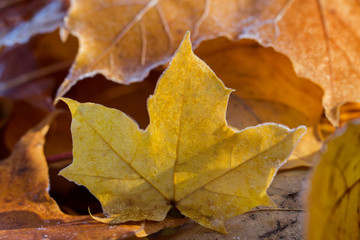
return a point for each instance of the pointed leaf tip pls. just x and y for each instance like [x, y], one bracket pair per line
[187, 38]
[300, 131]
[72, 104]
[185, 47]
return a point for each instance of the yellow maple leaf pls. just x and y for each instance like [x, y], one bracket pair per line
[334, 197]
[187, 157]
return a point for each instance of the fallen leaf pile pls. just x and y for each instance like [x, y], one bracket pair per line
[196, 159]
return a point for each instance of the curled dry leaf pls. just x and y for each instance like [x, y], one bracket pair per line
[27, 210]
[20, 20]
[187, 157]
[124, 40]
[334, 197]
[348, 112]
[322, 39]
[266, 90]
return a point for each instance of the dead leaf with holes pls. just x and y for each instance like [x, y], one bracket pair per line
[26, 209]
[187, 157]
[334, 199]
[321, 38]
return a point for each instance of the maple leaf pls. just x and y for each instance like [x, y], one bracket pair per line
[118, 45]
[187, 157]
[26, 209]
[333, 201]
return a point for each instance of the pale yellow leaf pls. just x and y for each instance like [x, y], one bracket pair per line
[187, 157]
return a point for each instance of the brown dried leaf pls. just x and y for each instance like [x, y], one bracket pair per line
[320, 38]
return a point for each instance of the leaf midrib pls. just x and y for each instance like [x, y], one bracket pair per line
[234, 168]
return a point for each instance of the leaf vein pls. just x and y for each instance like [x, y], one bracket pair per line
[236, 167]
[111, 147]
